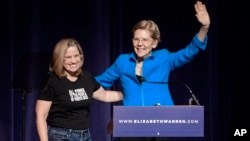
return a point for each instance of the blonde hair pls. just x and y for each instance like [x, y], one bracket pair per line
[56, 63]
[150, 26]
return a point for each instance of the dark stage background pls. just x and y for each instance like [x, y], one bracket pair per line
[217, 76]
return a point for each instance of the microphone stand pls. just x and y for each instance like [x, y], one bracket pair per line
[193, 97]
[142, 79]
[24, 92]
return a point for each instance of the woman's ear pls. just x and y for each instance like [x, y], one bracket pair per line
[155, 44]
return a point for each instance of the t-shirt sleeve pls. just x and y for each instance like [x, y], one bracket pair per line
[47, 91]
[96, 84]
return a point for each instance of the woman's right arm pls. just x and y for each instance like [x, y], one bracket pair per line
[42, 110]
[203, 17]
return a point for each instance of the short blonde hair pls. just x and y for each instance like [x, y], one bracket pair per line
[150, 26]
[56, 63]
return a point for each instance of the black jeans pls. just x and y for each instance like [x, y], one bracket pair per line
[143, 139]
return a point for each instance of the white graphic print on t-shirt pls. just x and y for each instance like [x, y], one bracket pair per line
[78, 94]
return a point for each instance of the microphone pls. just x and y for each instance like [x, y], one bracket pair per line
[140, 78]
[193, 97]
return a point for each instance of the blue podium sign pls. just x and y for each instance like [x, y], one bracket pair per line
[158, 121]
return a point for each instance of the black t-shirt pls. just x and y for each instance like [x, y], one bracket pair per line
[70, 100]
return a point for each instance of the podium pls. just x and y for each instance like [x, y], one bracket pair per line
[158, 121]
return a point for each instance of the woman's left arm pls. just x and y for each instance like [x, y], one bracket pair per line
[107, 95]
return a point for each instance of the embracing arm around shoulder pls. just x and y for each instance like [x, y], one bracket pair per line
[42, 110]
[107, 95]
[203, 17]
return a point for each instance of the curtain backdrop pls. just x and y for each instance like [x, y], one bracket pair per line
[103, 28]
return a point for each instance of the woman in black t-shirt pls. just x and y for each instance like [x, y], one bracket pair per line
[63, 104]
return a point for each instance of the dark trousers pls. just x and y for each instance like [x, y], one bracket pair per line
[143, 139]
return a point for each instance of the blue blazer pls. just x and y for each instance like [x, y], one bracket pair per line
[156, 68]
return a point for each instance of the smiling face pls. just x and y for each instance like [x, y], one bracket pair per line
[143, 43]
[72, 60]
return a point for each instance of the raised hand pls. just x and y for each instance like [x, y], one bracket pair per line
[202, 14]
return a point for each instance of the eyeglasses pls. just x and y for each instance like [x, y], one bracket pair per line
[77, 56]
[143, 41]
